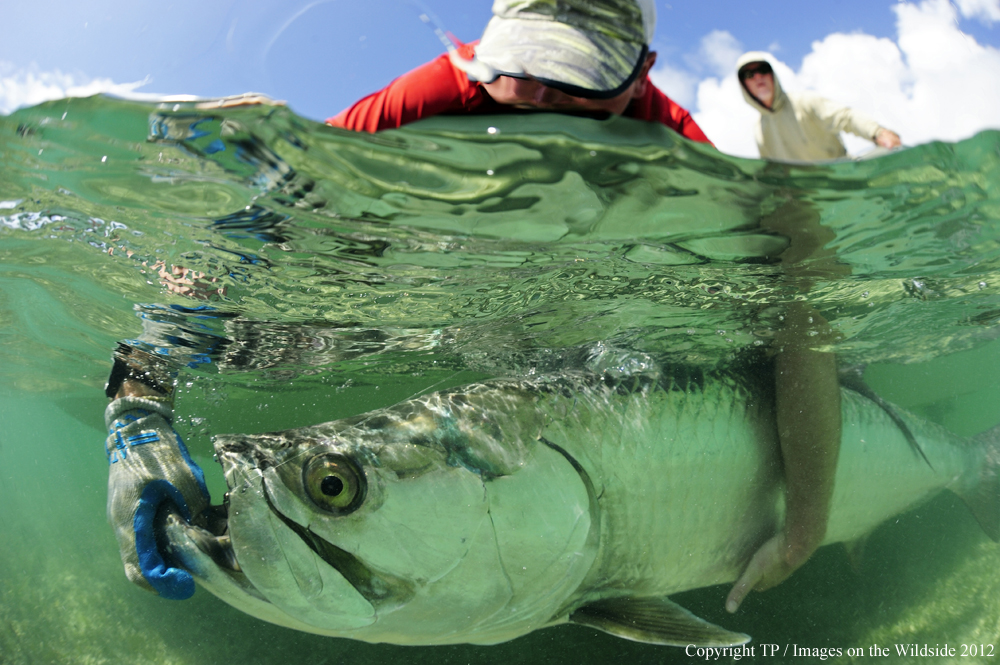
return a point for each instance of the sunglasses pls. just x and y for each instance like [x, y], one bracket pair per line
[750, 72]
[586, 93]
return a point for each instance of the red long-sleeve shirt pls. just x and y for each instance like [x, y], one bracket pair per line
[439, 87]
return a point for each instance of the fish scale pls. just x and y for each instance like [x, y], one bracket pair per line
[639, 458]
[702, 534]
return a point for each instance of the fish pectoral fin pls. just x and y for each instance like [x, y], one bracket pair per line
[654, 621]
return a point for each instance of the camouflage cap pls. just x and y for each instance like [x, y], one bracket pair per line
[588, 48]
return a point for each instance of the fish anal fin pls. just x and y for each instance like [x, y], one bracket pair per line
[982, 494]
[987, 515]
[984, 502]
[855, 550]
[654, 621]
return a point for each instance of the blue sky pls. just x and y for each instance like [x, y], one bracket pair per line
[320, 55]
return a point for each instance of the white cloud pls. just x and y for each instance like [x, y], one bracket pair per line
[933, 82]
[680, 83]
[987, 11]
[725, 118]
[19, 87]
[718, 51]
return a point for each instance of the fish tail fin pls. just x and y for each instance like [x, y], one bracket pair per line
[982, 494]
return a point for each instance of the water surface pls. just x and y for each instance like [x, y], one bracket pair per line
[340, 272]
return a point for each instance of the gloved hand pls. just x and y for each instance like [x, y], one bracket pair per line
[149, 465]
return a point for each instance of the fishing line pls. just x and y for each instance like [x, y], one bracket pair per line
[284, 26]
[476, 69]
[431, 20]
[431, 387]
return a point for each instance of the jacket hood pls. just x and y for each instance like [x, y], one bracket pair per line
[779, 94]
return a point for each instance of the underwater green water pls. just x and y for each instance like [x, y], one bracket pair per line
[347, 272]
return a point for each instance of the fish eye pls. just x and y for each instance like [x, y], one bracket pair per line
[334, 483]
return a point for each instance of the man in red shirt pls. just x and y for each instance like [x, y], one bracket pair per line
[527, 59]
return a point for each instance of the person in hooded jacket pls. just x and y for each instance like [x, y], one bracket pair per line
[801, 127]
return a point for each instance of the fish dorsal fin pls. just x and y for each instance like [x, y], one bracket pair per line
[852, 378]
[654, 621]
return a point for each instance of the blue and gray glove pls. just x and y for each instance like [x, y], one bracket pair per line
[149, 466]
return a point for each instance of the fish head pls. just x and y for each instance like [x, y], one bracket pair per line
[440, 520]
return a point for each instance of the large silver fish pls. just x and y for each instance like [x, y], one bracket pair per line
[483, 513]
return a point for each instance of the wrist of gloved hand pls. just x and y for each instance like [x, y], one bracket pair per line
[149, 465]
[132, 364]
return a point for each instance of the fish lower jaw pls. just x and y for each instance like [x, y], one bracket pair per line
[177, 535]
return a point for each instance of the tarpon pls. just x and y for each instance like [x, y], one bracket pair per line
[482, 513]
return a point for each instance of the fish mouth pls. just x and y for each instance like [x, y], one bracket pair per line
[209, 532]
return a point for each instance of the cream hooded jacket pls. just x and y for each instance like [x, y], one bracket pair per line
[803, 127]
